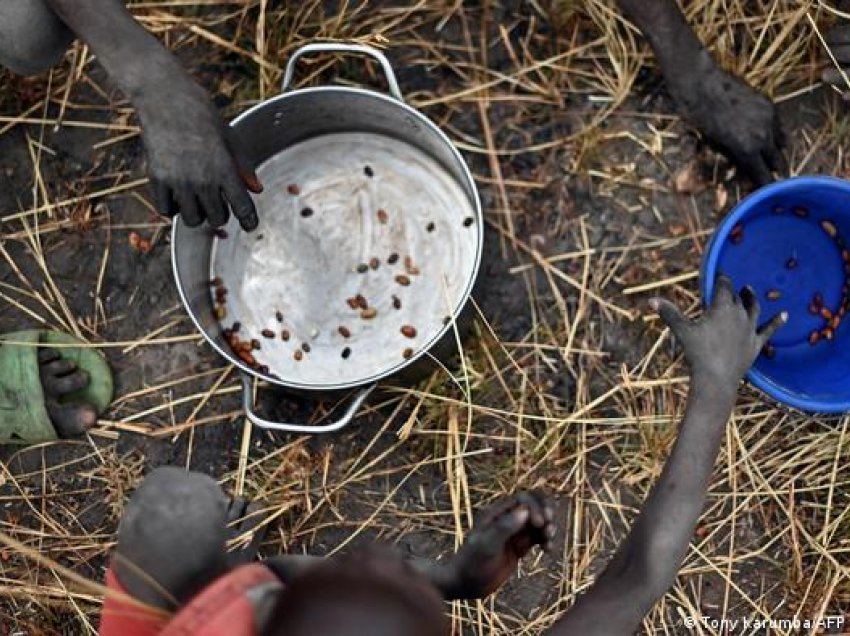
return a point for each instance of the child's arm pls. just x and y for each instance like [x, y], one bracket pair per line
[734, 116]
[501, 537]
[195, 167]
[720, 348]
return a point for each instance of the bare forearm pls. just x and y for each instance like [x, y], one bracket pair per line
[659, 538]
[442, 576]
[648, 559]
[676, 48]
[439, 573]
[288, 566]
[134, 59]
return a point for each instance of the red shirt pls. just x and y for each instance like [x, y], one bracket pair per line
[226, 607]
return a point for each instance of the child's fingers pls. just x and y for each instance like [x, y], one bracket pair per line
[751, 304]
[724, 291]
[549, 533]
[767, 330]
[536, 505]
[509, 524]
[244, 166]
[163, 198]
[671, 316]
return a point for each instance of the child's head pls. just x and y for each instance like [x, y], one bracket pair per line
[368, 592]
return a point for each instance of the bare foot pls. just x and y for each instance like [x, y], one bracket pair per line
[61, 377]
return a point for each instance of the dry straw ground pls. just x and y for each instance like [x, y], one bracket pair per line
[567, 382]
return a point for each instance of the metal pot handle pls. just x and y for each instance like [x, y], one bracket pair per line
[248, 404]
[333, 47]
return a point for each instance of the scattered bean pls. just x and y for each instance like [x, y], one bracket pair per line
[409, 267]
[305, 347]
[368, 314]
[468, 221]
[402, 280]
[408, 331]
[407, 353]
[306, 212]
[217, 282]
[374, 263]
[383, 217]
[396, 302]
[352, 302]
[236, 326]
[284, 335]
[814, 337]
[825, 313]
[393, 259]
[737, 234]
[827, 333]
[221, 312]
[362, 303]
[791, 263]
[829, 228]
[344, 331]
[769, 351]
[293, 189]
[800, 211]
[255, 344]
[346, 352]
[362, 268]
[138, 243]
[368, 171]
[298, 355]
[247, 358]
[817, 299]
[773, 294]
[430, 227]
[835, 323]
[267, 333]
[279, 316]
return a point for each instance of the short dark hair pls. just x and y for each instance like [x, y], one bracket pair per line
[367, 592]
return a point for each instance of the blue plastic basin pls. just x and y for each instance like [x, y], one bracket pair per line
[776, 240]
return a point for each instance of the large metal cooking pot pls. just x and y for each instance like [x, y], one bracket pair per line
[331, 158]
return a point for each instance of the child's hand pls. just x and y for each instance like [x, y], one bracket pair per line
[196, 166]
[722, 344]
[503, 535]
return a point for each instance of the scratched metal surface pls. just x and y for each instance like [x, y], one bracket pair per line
[305, 264]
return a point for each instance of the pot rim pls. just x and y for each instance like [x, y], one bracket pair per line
[422, 351]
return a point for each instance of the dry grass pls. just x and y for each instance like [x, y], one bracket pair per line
[579, 395]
